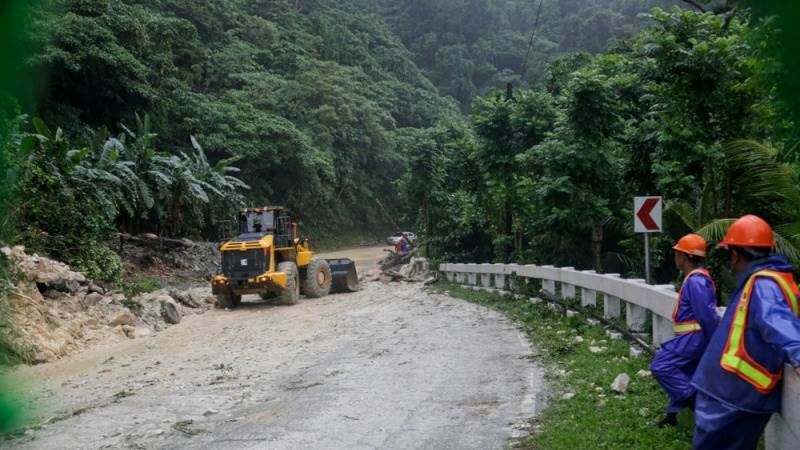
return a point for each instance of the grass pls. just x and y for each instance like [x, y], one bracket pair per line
[596, 417]
[140, 285]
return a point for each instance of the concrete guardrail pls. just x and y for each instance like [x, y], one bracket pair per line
[640, 300]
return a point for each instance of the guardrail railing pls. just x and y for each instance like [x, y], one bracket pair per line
[640, 302]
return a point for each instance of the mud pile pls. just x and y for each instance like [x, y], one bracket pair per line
[152, 255]
[54, 312]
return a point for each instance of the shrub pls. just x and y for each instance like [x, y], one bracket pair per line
[99, 263]
[140, 285]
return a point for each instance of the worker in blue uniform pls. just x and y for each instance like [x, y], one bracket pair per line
[738, 379]
[694, 320]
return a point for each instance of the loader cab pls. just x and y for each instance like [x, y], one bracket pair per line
[255, 223]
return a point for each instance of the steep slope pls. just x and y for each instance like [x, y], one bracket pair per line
[307, 93]
[467, 47]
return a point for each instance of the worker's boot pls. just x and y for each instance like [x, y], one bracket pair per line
[670, 420]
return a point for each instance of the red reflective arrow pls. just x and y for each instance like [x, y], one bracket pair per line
[644, 214]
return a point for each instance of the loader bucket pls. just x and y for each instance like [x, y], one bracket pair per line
[344, 277]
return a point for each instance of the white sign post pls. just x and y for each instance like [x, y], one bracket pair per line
[647, 219]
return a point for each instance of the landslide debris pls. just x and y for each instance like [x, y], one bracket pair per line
[401, 267]
[152, 255]
[54, 311]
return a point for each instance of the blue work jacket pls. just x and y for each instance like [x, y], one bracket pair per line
[696, 302]
[772, 338]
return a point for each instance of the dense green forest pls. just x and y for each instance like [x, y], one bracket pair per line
[468, 47]
[686, 109]
[166, 115]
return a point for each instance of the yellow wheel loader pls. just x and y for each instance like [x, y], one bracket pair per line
[269, 259]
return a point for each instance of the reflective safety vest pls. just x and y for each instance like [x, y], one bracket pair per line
[735, 358]
[690, 325]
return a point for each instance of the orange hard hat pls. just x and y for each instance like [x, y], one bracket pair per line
[692, 244]
[749, 231]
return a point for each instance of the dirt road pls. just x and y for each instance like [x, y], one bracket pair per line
[387, 367]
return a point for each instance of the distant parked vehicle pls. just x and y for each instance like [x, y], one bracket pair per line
[391, 240]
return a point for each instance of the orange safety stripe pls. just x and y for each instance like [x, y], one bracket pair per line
[689, 326]
[735, 358]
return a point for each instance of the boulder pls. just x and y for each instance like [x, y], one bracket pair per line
[93, 299]
[621, 382]
[140, 332]
[94, 288]
[125, 318]
[170, 313]
[44, 271]
[184, 298]
[128, 330]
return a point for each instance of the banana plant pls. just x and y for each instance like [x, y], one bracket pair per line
[764, 185]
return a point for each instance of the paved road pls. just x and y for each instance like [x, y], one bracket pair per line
[390, 367]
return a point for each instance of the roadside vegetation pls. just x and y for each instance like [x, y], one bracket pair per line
[687, 109]
[594, 416]
[165, 117]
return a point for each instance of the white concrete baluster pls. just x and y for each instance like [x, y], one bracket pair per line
[611, 306]
[499, 281]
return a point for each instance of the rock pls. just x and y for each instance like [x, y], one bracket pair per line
[593, 349]
[577, 339]
[620, 384]
[568, 396]
[643, 373]
[385, 279]
[170, 313]
[93, 299]
[635, 351]
[141, 332]
[52, 294]
[129, 331]
[94, 288]
[535, 300]
[119, 331]
[571, 313]
[125, 318]
[615, 335]
[210, 412]
[184, 298]
[593, 322]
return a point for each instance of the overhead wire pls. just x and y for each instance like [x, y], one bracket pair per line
[531, 40]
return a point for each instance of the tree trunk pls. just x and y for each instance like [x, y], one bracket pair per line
[509, 229]
[597, 246]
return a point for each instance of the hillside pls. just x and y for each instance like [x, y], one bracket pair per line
[468, 47]
[307, 93]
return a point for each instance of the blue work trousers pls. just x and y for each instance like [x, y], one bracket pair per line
[719, 426]
[673, 372]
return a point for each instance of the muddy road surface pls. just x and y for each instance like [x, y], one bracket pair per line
[389, 367]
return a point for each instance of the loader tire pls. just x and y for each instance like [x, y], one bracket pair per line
[228, 301]
[269, 295]
[317, 282]
[291, 294]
